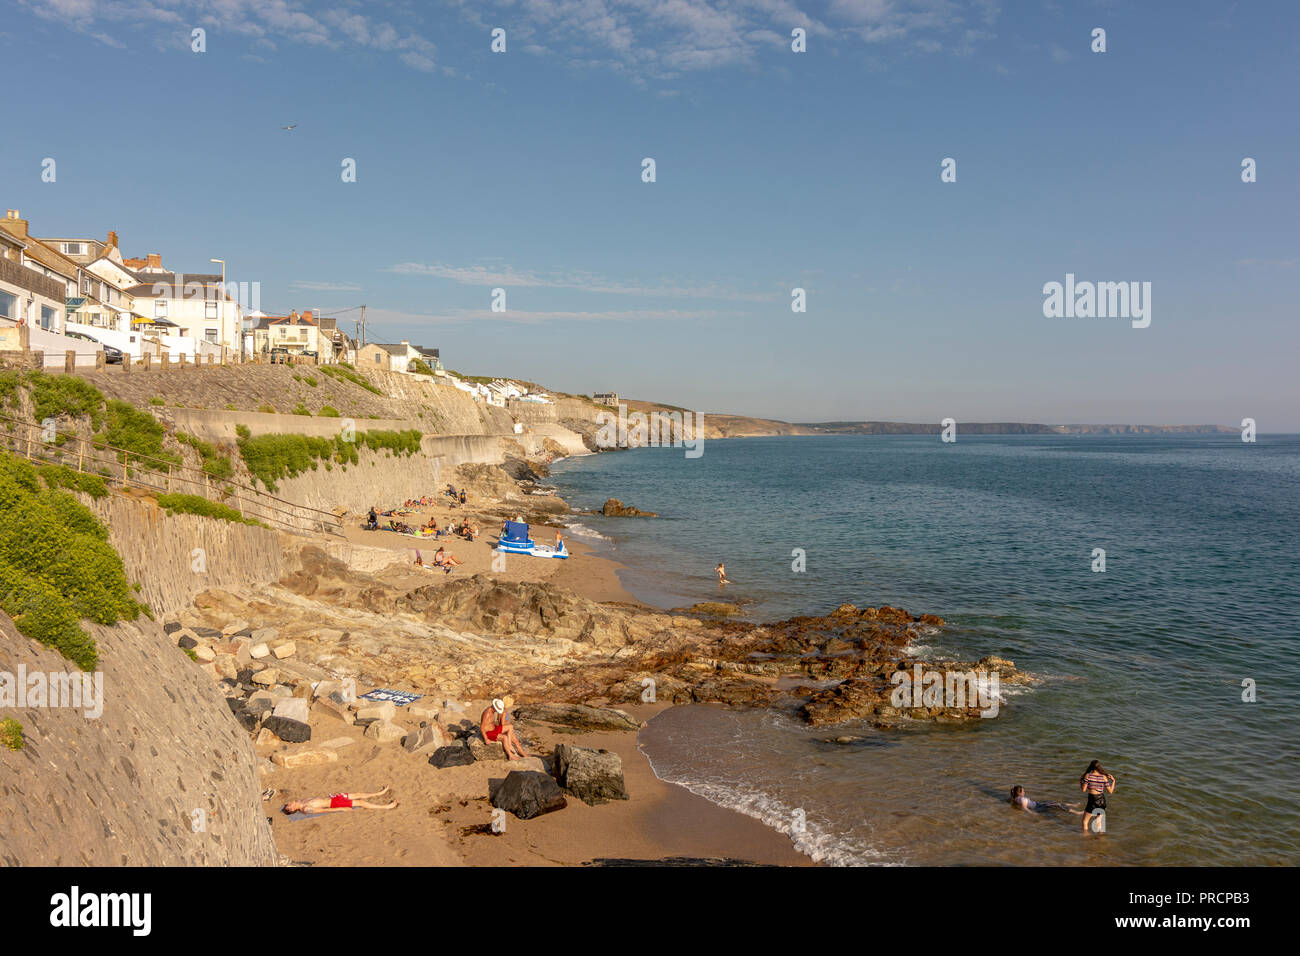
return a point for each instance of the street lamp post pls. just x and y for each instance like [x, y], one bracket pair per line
[221, 309]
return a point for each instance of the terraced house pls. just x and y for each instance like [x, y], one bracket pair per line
[298, 333]
[190, 314]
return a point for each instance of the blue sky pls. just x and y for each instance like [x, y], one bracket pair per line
[819, 170]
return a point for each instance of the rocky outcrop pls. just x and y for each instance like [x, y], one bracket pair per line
[580, 716]
[613, 508]
[593, 776]
[468, 638]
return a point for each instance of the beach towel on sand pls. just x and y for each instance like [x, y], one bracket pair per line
[399, 697]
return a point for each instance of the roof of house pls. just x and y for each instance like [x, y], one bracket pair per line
[390, 349]
[45, 255]
[165, 286]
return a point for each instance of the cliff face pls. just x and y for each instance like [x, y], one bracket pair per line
[163, 777]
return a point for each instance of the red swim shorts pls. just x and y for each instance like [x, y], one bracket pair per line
[494, 733]
[340, 800]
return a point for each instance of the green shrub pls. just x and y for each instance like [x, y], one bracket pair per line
[309, 380]
[266, 409]
[328, 411]
[11, 734]
[135, 431]
[198, 505]
[61, 476]
[156, 401]
[420, 367]
[216, 463]
[56, 565]
[230, 407]
[302, 410]
[55, 395]
[9, 384]
[405, 442]
[345, 372]
[271, 458]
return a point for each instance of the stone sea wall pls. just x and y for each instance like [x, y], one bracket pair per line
[163, 777]
[174, 557]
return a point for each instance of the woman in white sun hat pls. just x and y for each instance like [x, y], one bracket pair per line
[496, 726]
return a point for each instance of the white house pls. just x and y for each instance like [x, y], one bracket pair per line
[206, 319]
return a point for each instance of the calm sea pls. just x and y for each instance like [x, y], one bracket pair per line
[1142, 665]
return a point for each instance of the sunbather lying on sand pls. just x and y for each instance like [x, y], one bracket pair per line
[338, 801]
[495, 724]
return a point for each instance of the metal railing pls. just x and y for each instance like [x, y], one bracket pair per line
[129, 469]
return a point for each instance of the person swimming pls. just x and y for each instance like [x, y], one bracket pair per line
[1020, 801]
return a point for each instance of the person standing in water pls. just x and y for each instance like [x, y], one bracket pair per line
[1096, 783]
[722, 573]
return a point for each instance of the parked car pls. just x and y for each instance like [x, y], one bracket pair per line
[112, 355]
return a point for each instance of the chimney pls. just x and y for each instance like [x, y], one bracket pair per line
[16, 223]
[155, 260]
[112, 239]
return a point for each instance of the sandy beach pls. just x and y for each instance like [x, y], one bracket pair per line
[444, 814]
[443, 817]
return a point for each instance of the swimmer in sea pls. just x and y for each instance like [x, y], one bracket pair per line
[1021, 802]
[722, 573]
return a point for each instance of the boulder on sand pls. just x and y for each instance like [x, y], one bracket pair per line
[581, 716]
[287, 729]
[483, 750]
[294, 708]
[428, 737]
[527, 794]
[454, 755]
[593, 776]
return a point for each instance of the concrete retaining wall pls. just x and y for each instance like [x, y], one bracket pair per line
[174, 557]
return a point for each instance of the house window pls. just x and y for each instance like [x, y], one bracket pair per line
[49, 317]
[209, 309]
[185, 333]
[8, 305]
[72, 248]
[160, 308]
[210, 335]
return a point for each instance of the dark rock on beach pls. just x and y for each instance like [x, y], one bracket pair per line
[454, 755]
[289, 730]
[581, 716]
[527, 794]
[593, 776]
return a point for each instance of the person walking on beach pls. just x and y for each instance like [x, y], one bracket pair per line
[495, 724]
[338, 801]
[1096, 783]
[722, 573]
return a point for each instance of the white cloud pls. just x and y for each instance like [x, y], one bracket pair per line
[392, 319]
[306, 286]
[508, 277]
[264, 22]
